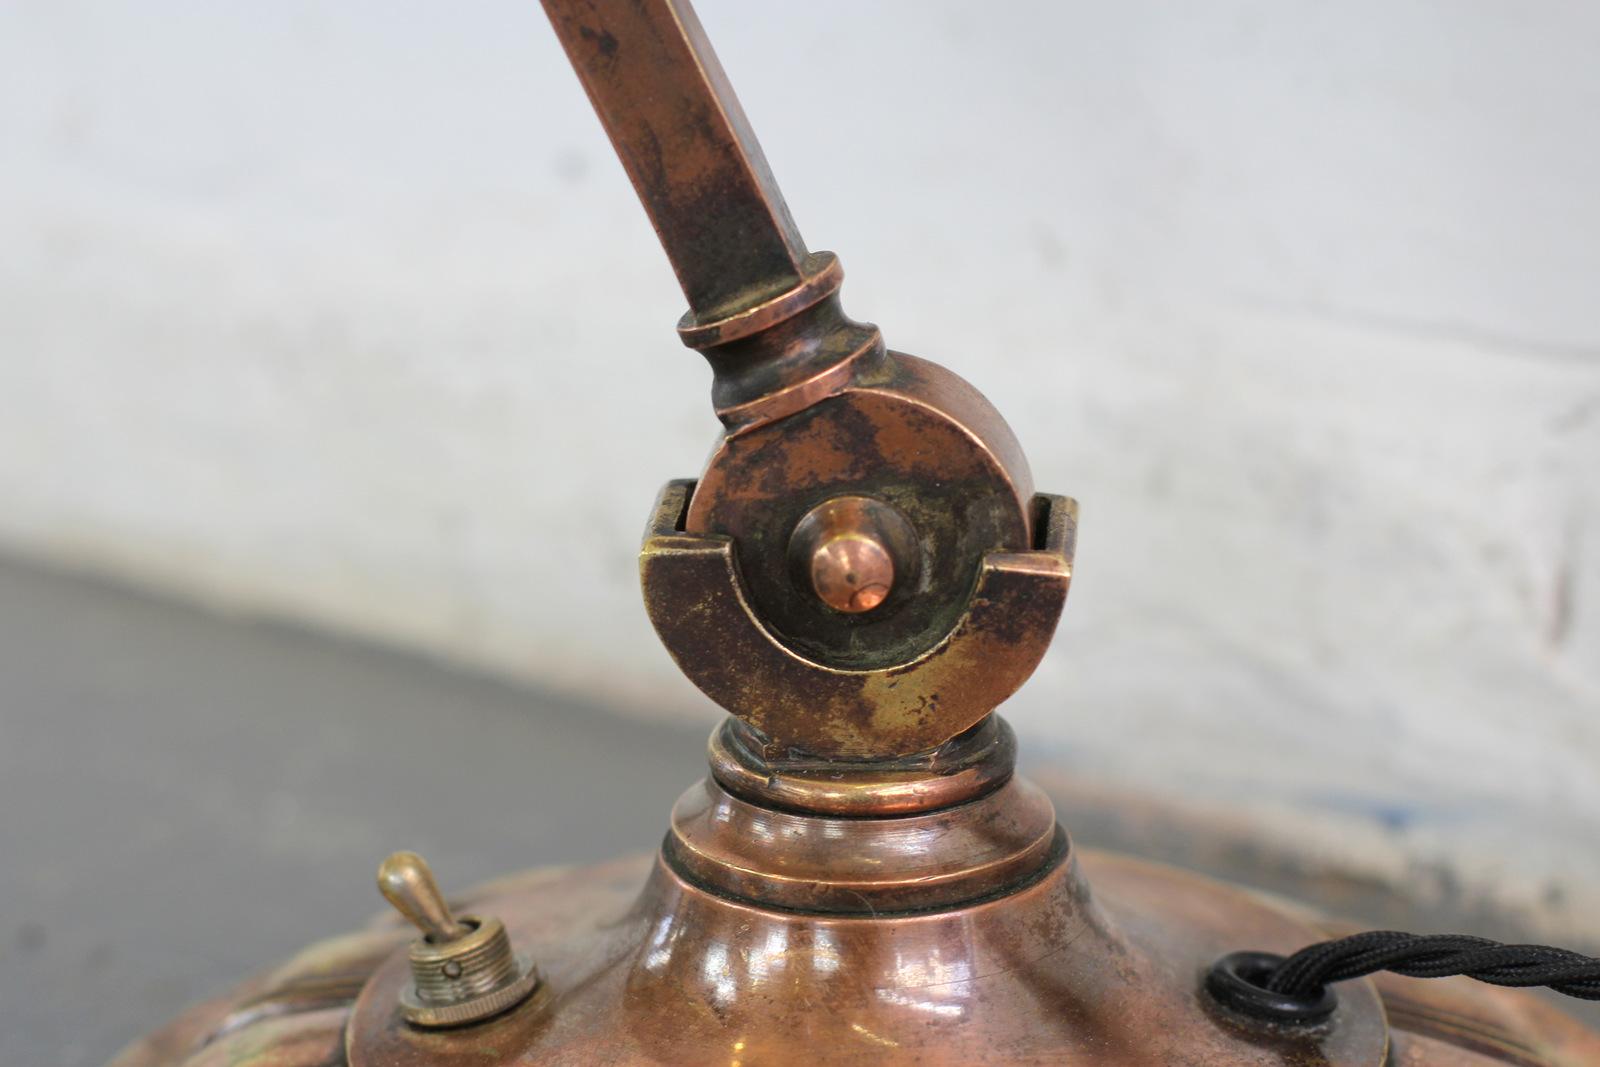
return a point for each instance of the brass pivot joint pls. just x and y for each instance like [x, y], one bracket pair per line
[462, 969]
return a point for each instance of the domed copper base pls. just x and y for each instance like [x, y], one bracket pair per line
[1043, 975]
[692, 970]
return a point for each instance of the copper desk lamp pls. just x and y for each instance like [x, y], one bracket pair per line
[860, 576]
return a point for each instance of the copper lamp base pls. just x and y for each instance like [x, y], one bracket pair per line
[957, 935]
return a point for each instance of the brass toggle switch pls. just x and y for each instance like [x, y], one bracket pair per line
[462, 969]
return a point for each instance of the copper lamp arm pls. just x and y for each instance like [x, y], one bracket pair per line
[686, 145]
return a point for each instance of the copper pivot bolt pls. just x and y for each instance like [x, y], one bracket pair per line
[851, 549]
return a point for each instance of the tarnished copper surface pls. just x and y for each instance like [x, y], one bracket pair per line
[599, 938]
[962, 769]
[686, 144]
[312, 1039]
[697, 600]
[1049, 974]
[1480, 1018]
[305, 994]
[848, 866]
[763, 309]
[908, 433]
[1416, 1050]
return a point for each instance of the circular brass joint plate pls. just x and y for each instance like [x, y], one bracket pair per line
[907, 434]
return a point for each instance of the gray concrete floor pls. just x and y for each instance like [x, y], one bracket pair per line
[186, 799]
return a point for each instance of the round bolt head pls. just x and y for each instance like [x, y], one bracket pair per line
[852, 572]
[850, 550]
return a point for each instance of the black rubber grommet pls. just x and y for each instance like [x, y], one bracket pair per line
[1238, 982]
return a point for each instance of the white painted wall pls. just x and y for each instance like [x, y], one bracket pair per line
[304, 308]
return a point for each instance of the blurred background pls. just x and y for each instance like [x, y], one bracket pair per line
[337, 377]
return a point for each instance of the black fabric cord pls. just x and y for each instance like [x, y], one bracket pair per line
[1308, 972]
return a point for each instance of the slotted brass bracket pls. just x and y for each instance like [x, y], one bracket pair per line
[697, 602]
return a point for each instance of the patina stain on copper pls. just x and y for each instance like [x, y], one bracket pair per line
[962, 769]
[911, 435]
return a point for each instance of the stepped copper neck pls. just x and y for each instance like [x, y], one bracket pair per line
[961, 770]
[937, 830]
